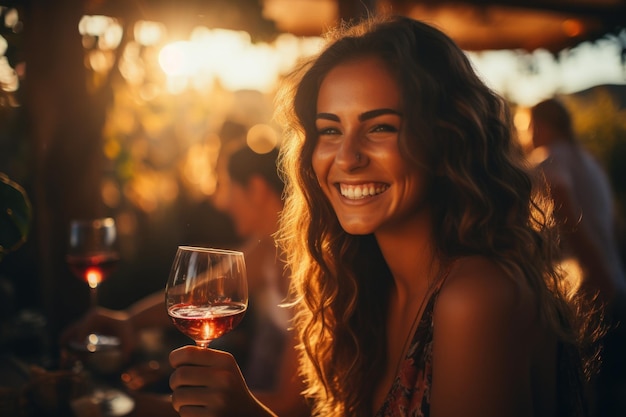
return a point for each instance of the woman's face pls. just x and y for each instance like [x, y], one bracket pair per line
[357, 159]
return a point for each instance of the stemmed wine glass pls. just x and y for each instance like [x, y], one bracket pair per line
[207, 292]
[92, 252]
[92, 256]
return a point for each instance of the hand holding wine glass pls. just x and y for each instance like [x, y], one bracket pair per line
[206, 297]
[207, 292]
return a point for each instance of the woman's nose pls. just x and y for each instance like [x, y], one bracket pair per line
[350, 155]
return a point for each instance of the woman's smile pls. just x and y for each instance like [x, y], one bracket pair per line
[361, 191]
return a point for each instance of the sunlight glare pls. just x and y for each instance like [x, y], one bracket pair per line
[255, 69]
[101, 61]
[148, 33]
[111, 37]
[176, 85]
[131, 65]
[95, 25]
[176, 58]
[228, 56]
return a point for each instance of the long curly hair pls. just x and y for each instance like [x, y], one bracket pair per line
[483, 199]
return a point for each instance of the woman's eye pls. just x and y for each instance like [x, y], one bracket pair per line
[384, 128]
[327, 131]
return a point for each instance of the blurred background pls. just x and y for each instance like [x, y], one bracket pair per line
[120, 108]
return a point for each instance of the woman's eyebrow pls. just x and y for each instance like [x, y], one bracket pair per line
[327, 116]
[362, 117]
[377, 112]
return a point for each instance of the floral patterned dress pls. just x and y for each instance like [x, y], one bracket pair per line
[409, 395]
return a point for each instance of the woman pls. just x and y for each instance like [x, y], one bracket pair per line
[421, 266]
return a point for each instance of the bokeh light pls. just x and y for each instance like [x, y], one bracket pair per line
[262, 138]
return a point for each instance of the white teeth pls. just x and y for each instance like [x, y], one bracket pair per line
[356, 192]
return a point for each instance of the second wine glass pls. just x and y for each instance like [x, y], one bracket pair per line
[92, 251]
[207, 292]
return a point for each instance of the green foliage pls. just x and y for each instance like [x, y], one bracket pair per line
[15, 215]
[599, 122]
[600, 126]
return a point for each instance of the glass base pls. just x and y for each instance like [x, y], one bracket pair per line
[103, 401]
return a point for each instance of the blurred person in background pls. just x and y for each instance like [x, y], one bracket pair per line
[250, 192]
[585, 214]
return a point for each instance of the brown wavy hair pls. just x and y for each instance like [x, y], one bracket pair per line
[483, 202]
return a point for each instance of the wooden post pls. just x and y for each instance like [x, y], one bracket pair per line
[65, 129]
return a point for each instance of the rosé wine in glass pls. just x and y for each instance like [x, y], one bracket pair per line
[206, 294]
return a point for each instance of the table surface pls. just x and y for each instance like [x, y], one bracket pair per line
[59, 390]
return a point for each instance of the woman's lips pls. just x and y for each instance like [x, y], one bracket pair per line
[360, 191]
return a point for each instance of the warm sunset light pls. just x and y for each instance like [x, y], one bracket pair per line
[162, 131]
[149, 33]
[177, 58]
[227, 56]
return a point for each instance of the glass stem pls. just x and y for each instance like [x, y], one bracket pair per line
[93, 297]
[203, 343]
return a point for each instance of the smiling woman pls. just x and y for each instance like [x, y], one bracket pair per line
[421, 258]
[422, 290]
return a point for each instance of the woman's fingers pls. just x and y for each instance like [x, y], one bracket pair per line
[208, 382]
[198, 397]
[194, 355]
[208, 377]
[201, 391]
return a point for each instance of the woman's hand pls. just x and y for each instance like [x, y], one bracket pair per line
[208, 382]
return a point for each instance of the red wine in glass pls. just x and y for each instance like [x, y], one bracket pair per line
[206, 294]
[92, 251]
[93, 269]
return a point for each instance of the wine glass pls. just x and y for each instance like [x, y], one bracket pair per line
[92, 252]
[92, 256]
[207, 292]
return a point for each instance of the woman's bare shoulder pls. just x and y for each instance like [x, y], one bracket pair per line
[479, 290]
[484, 336]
